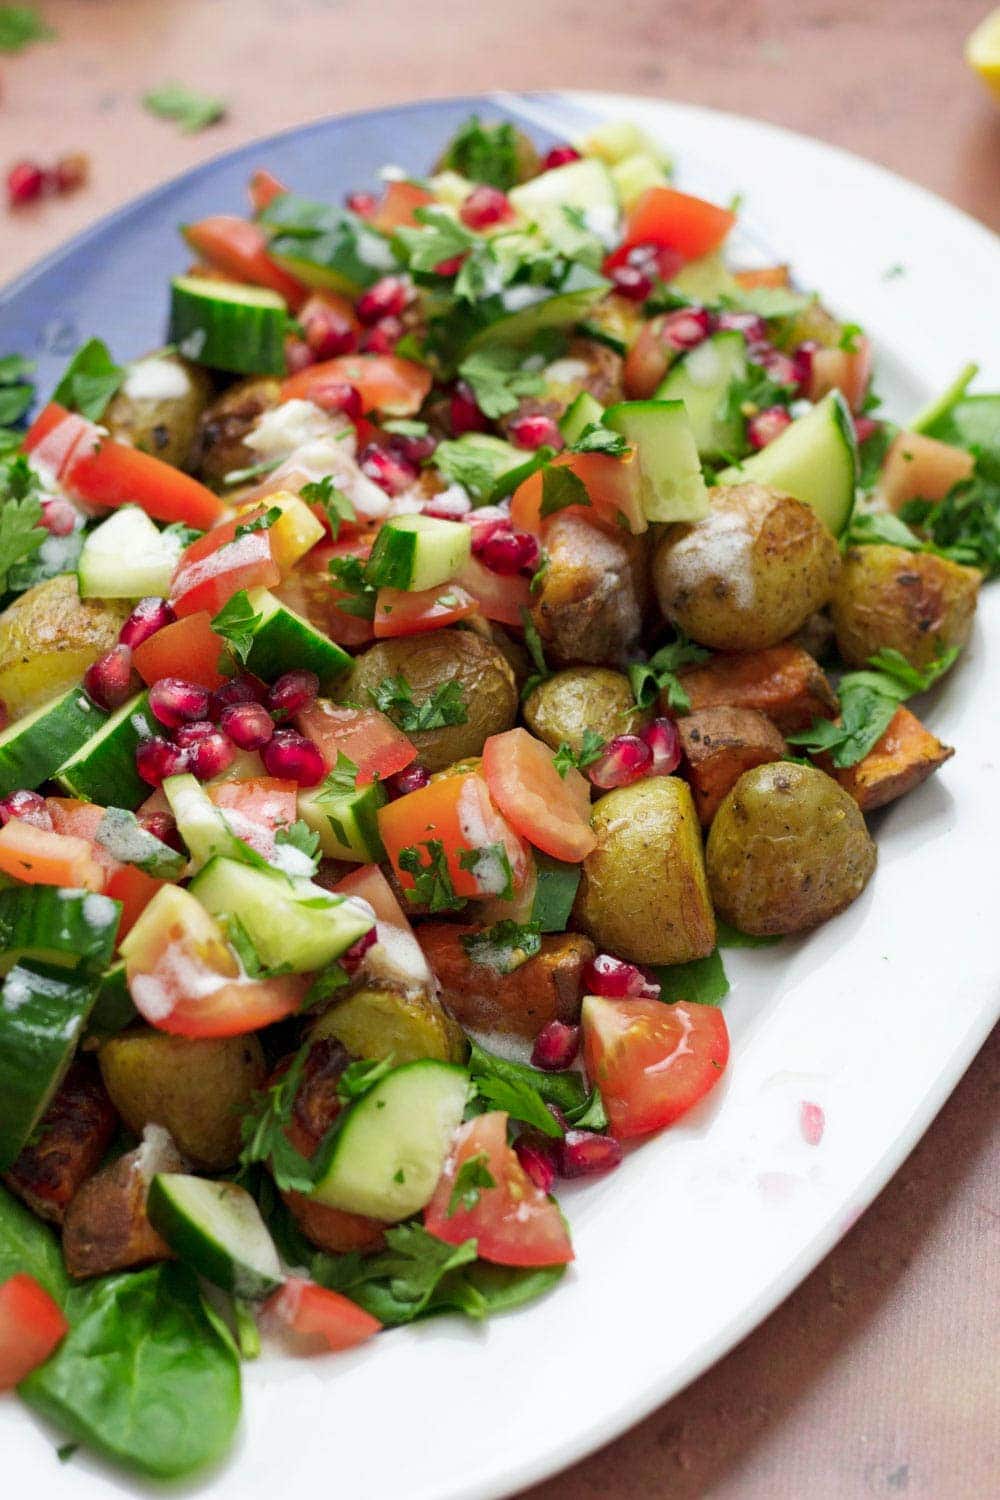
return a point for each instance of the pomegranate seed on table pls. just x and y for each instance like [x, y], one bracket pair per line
[632, 282]
[356, 952]
[411, 448]
[766, 425]
[388, 471]
[58, 517]
[156, 759]
[292, 757]
[174, 701]
[448, 506]
[556, 1046]
[389, 296]
[338, 396]
[413, 779]
[248, 725]
[663, 740]
[536, 1154]
[509, 552]
[362, 204]
[111, 679]
[534, 430]
[559, 156]
[484, 207]
[464, 412]
[71, 172]
[148, 616]
[328, 332]
[626, 758]
[212, 754]
[26, 182]
[383, 336]
[243, 689]
[293, 693]
[584, 1153]
[27, 807]
[614, 979]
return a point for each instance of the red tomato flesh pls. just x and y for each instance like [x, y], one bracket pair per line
[364, 735]
[691, 226]
[550, 811]
[387, 382]
[457, 812]
[37, 856]
[263, 188]
[398, 205]
[256, 808]
[613, 487]
[210, 582]
[240, 250]
[652, 1061]
[514, 1222]
[31, 1325]
[401, 612]
[312, 1310]
[500, 598]
[188, 648]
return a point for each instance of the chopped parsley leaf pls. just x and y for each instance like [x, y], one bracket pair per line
[349, 574]
[20, 25]
[21, 531]
[237, 622]
[325, 985]
[336, 506]
[561, 488]
[596, 438]
[591, 749]
[488, 865]
[262, 1131]
[90, 381]
[439, 237]
[484, 153]
[358, 1078]
[659, 674]
[190, 110]
[432, 885]
[519, 1099]
[472, 1178]
[299, 835]
[505, 946]
[341, 781]
[498, 379]
[446, 705]
[263, 522]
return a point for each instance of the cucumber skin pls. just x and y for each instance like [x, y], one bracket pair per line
[282, 643]
[113, 1009]
[202, 1253]
[68, 929]
[32, 749]
[114, 781]
[235, 337]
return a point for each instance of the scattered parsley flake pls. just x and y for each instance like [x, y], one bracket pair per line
[486, 865]
[299, 835]
[190, 110]
[432, 885]
[20, 25]
[591, 749]
[393, 696]
[498, 379]
[596, 438]
[505, 946]
[472, 1178]
[340, 782]
[659, 674]
[237, 622]
[336, 505]
[439, 237]
[560, 489]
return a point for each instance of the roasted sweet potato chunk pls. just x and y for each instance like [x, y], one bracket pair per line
[783, 682]
[106, 1227]
[546, 988]
[903, 758]
[719, 744]
[74, 1134]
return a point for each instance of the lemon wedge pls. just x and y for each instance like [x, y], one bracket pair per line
[982, 51]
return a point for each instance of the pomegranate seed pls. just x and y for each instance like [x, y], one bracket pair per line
[243, 689]
[383, 336]
[156, 759]
[298, 355]
[248, 725]
[803, 358]
[448, 506]
[626, 758]
[668, 262]
[766, 425]
[149, 616]
[556, 1045]
[450, 267]
[537, 1156]
[686, 328]
[510, 552]
[386, 299]
[665, 743]
[174, 701]
[632, 282]
[413, 779]
[71, 172]
[212, 755]
[328, 332]
[337, 396]
[188, 735]
[864, 427]
[533, 430]
[291, 756]
[25, 183]
[26, 807]
[614, 979]
[412, 450]
[464, 412]
[362, 204]
[356, 952]
[782, 369]
[486, 520]
[484, 206]
[58, 517]
[751, 325]
[643, 255]
[559, 156]
[389, 472]
[655, 260]
[110, 680]
[162, 826]
[584, 1153]
[293, 693]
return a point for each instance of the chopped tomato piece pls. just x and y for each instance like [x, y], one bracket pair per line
[310, 1309]
[31, 1325]
[188, 648]
[397, 207]
[922, 468]
[393, 929]
[364, 735]
[550, 811]
[482, 852]
[311, 591]
[387, 382]
[38, 857]
[399, 612]
[499, 597]
[135, 890]
[81, 820]
[845, 370]
[240, 249]
[55, 435]
[513, 1222]
[652, 1061]
[256, 808]
[613, 489]
[263, 188]
[210, 582]
[677, 221]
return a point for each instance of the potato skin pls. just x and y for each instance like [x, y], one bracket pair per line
[643, 893]
[196, 1089]
[48, 639]
[566, 704]
[594, 593]
[913, 602]
[381, 1023]
[749, 574]
[546, 988]
[719, 744]
[427, 662]
[787, 850]
[165, 426]
[219, 447]
[106, 1227]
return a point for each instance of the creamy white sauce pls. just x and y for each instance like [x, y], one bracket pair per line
[567, 371]
[292, 425]
[720, 547]
[314, 460]
[156, 379]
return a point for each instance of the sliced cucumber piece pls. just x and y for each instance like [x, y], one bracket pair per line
[585, 185]
[228, 326]
[103, 769]
[347, 824]
[291, 922]
[555, 891]
[673, 487]
[32, 748]
[518, 313]
[113, 1009]
[127, 557]
[50, 925]
[42, 1015]
[203, 826]
[702, 380]
[815, 459]
[217, 1229]
[388, 1154]
[578, 416]
[285, 640]
[326, 246]
[633, 175]
[617, 139]
[125, 839]
[418, 552]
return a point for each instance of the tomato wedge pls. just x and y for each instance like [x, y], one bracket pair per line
[845, 370]
[499, 598]
[457, 813]
[677, 221]
[188, 648]
[135, 890]
[38, 857]
[550, 811]
[388, 383]
[55, 435]
[514, 1222]
[398, 204]
[652, 1061]
[364, 735]
[400, 954]
[208, 583]
[31, 1325]
[256, 808]
[400, 612]
[263, 188]
[240, 249]
[613, 488]
[309, 1309]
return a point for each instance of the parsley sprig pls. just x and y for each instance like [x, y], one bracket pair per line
[868, 701]
[432, 884]
[446, 705]
[21, 532]
[472, 1178]
[336, 506]
[591, 749]
[505, 946]
[659, 674]
[499, 378]
[237, 622]
[90, 380]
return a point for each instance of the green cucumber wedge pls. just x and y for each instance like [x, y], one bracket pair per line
[815, 459]
[347, 824]
[672, 484]
[205, 829]
[216, 1228]
[228, 326]
[579, 415]
[70, 929]
[418, 552]
[34, 747]
[103, 768]
[702, 380]
[113, 1009]
[284, 640]
[127, 557]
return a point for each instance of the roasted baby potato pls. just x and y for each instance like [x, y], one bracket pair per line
[749, 574]
[593, 594]
[914, 602]
[219, 446]
[196, 1089]
[719, 744]
[381, 1023]
[67, 1146]
[159, 406]
[788, 848]
[643, 893]
[904, 757]
[430, 661]
[546, 988]
[782, 682]
[48, 639]
[106, 1228]
[566, 704]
